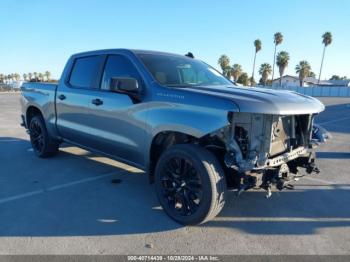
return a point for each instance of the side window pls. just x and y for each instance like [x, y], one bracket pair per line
[118, 66]
[85, 71]
[188, 75]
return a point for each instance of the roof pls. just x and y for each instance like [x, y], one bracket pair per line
[294, 77]
[135, 51]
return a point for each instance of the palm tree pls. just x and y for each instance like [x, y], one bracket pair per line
[282, 63]
[236, 71]
[278, 39]
[257, 45]
[1, 78]
[24, 77]
[312, 74]
[47, 75]
[30, 76]
[265, 70]
[243, 79]
[35, 76]
[224, 62]
[326, 40]
[17, 76]
[41, 77]
[303, 69]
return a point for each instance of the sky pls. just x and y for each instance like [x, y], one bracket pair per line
[40, 35]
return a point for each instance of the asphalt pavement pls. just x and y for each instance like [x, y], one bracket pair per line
[82, 203]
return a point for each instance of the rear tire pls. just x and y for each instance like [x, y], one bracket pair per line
[43, 144]
[190, 184]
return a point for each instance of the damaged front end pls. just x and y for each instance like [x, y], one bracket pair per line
[266, 151]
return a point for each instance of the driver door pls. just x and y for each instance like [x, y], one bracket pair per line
[116, 127]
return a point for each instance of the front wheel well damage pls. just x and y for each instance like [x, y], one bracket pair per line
[163, 140]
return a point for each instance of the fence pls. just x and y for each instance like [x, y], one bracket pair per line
[319, 91]
[9, 87]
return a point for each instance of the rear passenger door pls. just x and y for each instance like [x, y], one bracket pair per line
[74, 98]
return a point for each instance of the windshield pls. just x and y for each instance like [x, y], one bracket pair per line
[177, 71]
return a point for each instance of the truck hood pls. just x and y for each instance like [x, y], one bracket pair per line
[263, 100]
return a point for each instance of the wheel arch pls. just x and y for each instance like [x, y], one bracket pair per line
[162, 141]
[31, 112]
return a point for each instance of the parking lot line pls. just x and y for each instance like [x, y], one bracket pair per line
[320, 180]
[334, 120]
[285, 219]
[57, 187]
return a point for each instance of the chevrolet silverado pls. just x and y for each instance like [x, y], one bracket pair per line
[193, 131]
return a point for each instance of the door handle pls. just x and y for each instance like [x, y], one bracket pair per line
[61, 97]
[97, 102]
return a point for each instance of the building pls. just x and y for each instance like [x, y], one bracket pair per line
[287, 81]
[292, 81]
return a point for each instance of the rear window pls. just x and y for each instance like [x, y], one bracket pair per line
[85, 71]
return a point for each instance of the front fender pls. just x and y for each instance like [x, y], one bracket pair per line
[196, 121]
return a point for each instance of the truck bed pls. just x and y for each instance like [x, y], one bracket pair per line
[41, 95]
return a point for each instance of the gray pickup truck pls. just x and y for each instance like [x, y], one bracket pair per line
[193, 131]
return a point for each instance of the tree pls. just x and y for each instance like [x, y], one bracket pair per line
[326, 40]
[228, 71]
[16, 76]
[303, 69]
[312, 74]
[335, 77]
[30, 76]
[257, 45]
[236, 71]
[25, 77]
[224, 62]
[41, 77]
[2, 78]
[265, 70]
[278, 39]
[252, 81]
[48, 75]
[282, 63]
[243, 79]
[35, 76]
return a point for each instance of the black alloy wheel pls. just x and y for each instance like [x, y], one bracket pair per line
[190, 184]
[181, 186]
[43, 145]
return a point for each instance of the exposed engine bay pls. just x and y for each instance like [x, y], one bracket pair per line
[264, 150]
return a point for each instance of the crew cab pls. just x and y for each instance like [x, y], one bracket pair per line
[193, 131]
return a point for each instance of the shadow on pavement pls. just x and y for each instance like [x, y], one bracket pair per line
[102, 208]
[335, 118]
[287, 212]
[333, 155]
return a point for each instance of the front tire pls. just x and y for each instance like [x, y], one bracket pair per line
[43, 145]
[190, 184]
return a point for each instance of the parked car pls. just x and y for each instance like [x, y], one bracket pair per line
[192, 130]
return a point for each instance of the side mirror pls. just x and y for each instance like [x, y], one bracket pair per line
[124, 84]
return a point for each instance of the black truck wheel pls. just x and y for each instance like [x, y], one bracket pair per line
[190, 184]
[43, 145]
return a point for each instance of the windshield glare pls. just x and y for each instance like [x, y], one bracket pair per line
[177, 71]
